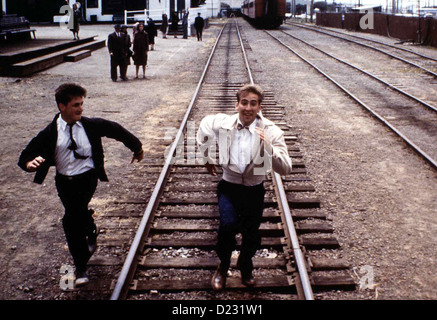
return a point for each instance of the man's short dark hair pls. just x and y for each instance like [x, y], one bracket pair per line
[252, 88]
[67, 91]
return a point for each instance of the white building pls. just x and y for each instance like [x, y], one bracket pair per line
[105, 10]
[115, 10]
[93, 10]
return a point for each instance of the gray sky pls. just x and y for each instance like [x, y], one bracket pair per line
[384, 3]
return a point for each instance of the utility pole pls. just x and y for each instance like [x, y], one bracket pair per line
[311, 11]
[420, 29]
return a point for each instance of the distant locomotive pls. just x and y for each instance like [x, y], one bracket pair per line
[264, 13]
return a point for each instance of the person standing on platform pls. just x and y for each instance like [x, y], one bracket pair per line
[82, 8]
[117, 52]
[76, 21]
[185, 23]
[175, 23]
[152, 33]
[164, 25]
[135, 28]
[199, 23]
[73, 144]
[249, 146]
[141, 47]
[127, 43]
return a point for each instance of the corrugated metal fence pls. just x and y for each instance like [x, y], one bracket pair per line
[399, 27]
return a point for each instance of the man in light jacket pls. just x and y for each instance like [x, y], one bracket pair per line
[250, 146]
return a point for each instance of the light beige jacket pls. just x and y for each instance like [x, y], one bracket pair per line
[220, 130]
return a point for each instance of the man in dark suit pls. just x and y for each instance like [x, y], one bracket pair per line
[198, 25]
[185, 23]
[73, 144]
[118, 53]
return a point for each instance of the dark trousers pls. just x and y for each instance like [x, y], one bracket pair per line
[241, 208]
[118, 62]
[185, 28]
[75, 193]
[199, 34]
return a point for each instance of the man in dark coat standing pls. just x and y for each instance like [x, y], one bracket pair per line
[118, 52]
[73, 144]
[185, 23]
[164, 25]
[199, 24]
[175, 23]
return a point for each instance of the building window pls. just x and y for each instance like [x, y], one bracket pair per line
[92, 4]
[118, 6]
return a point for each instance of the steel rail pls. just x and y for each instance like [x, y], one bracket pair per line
[379, 117]
[123, 281]
[365, 39]
[244, 54]
[374, 48]
[283, 203]
[365, 72]
[293, 239]
[122, 286]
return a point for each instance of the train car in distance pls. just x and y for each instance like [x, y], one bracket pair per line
[264, 13]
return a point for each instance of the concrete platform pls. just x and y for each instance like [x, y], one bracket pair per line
[22, 58]
[76, 56]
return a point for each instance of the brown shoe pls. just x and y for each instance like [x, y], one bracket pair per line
[218, 281]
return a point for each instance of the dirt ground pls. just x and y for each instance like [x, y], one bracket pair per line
[380, 196]
[33, 246]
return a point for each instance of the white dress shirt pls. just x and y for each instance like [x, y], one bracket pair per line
[241, 148]
[66, 163]
[220, 130]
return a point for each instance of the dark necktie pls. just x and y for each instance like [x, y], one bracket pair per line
[73, 144]
[240, 126]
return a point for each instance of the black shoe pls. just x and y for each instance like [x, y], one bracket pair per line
[246, 272]
[218, 281]
[92, 241]
[248, 280]
[81, 279]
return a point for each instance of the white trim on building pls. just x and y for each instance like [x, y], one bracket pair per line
[155, 10]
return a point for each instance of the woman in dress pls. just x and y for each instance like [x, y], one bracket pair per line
[141, 46]
[76, 18]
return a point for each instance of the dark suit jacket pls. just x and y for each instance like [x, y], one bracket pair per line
[44, 145]
[199, 23]
[117, 45]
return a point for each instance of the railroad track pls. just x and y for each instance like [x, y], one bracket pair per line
[423, 62]
[408, 116]
[405, 69]
[172, 252]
